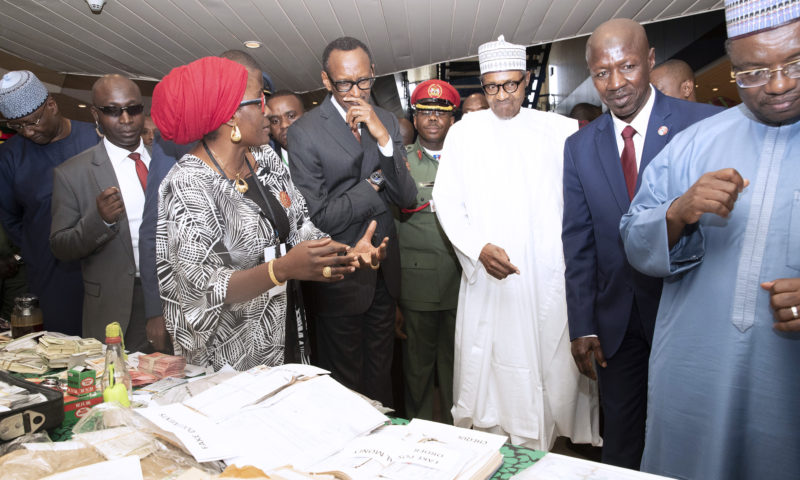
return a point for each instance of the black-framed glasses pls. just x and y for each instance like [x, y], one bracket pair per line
[262, 100]
[116, 111]
[19, 126]
[343, 86]
[760, 76]
[510, 86]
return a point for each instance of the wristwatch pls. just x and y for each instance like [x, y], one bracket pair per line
[376, 178]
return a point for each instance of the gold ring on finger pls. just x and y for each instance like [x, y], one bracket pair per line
[326, 272]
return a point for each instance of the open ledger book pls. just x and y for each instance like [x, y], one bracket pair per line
[420, 450]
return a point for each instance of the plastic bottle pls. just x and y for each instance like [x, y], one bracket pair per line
[116, 381]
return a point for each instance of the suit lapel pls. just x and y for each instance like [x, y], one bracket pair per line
[609, 156]
[653, 141]
[335, 125]
[105, 177]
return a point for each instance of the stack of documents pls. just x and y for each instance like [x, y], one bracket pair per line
[419, 450]
[268, 418]
[161, 365]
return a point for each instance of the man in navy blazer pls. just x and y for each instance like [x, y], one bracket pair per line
[611, 307]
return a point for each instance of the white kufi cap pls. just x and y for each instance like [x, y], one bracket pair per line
[501, 56]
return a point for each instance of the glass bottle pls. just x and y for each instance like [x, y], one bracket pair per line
[26, 317]
[116, 381]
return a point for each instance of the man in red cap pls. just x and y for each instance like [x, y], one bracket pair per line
[430, 271]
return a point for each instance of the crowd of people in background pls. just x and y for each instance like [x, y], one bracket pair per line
[640, 257]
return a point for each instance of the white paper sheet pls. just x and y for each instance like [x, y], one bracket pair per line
[127, 468]
[201, 437]
[305, 424]
[559, 467]
[246, 388]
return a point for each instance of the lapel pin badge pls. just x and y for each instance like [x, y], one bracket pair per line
[663, 130]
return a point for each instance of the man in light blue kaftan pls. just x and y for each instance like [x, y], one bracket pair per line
[718, 216]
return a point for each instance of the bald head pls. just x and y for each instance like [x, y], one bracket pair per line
[110, 82]
[242, 58]
[406, 130]
[674, 78]
[615, 32]
[620, 59]
[473, 103]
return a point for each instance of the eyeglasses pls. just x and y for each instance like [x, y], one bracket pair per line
[262, 100]
[433, 113]
[510, 86]
[343, 86]
[116, 111]
[19, 126]
[760, 76]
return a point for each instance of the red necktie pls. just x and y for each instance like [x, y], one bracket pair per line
[141, 169]
[629, 160]
[356, 134]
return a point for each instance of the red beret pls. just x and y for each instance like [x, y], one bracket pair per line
[439, 90]
[195, 99]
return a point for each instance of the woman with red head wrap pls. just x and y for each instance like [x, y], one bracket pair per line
[232, 228]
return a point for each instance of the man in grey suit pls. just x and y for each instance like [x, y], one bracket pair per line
[349, 162]
[98, 199]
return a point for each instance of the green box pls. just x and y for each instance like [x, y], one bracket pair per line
[81, 379]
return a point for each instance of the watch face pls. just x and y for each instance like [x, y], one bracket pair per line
[377, 178]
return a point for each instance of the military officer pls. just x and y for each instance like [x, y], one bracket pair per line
[430, 271]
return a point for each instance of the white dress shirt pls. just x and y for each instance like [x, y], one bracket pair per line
[639, 123]
[386, 150]
[130, 188]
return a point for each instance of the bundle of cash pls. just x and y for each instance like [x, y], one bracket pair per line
[162, 365]
[59, 350]
[23, 361]
[13, 397]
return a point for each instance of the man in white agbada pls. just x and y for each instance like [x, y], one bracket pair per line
[498, 197]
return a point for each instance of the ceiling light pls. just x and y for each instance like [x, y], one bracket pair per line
[81, 105]
[96, 6]
[314, 103]
[252, 43]
[715, 89]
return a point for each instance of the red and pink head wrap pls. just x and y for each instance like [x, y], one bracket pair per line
[195, 99]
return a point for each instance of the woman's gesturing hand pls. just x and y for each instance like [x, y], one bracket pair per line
[323, 260]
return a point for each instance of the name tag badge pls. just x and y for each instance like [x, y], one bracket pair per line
[271, 251]
[433, 208]
[270, 254]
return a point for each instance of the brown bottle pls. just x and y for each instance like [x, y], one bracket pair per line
[26, 317]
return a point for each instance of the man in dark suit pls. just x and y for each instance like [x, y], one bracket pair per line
[98, 199]
[349, 162]
[611, 307]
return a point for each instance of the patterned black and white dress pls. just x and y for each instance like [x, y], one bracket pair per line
[206, 232]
